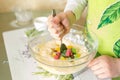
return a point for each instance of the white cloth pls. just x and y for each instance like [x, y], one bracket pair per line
[76, 6]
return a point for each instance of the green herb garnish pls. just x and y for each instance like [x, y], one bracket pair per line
[63, 47]
[73, 50]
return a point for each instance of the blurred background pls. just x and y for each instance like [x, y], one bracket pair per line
[9, 5]
[35, 5]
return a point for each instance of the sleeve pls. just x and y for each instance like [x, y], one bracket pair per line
[76, 6]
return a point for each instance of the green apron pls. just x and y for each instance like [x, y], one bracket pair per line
[104, 20]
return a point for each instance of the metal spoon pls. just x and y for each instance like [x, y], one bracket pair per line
[62, 46]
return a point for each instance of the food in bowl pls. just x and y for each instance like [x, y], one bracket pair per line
[51, 50]
[75, 57]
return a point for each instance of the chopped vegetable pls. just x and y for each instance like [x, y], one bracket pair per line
[57, 49]
[73, 50]
[68, 52]
[58, 53]
[62, 58]
[63, 47]
[77, 55]
[53, 54]
[69, 47]
[57, 56]
[65, 52]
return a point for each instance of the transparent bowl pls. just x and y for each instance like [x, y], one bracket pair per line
[77, 36]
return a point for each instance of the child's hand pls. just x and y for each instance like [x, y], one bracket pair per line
[105, 67]
[59, 25]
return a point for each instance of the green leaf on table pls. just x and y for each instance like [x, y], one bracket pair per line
[110, 15]
[32, 32]
[66, 77]
[45, 73]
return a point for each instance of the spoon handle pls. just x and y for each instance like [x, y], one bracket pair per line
[53, 13]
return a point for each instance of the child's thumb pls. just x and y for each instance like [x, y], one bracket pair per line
[65, 22]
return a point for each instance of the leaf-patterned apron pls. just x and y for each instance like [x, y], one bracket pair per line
[104, 20]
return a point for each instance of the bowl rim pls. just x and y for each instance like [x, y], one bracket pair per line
[87, 55]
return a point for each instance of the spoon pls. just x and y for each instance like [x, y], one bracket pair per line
[62, 46]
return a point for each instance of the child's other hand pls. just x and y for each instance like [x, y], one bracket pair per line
[105, 67]
[59, 25]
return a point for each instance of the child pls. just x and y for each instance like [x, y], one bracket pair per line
[103, 19]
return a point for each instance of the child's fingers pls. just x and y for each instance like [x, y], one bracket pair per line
[98, 72]
[93, 62]
[58, 28]
[103, 76]
[56, 20]
[52, 30]
[96, 67]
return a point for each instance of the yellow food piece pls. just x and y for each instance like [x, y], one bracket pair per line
[57, 49]
[62, 58]
[69, 46]
[77, 55]
[53, 54]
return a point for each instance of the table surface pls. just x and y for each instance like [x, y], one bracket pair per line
[22, 65]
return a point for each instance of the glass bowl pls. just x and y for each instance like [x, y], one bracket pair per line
[77, 36]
